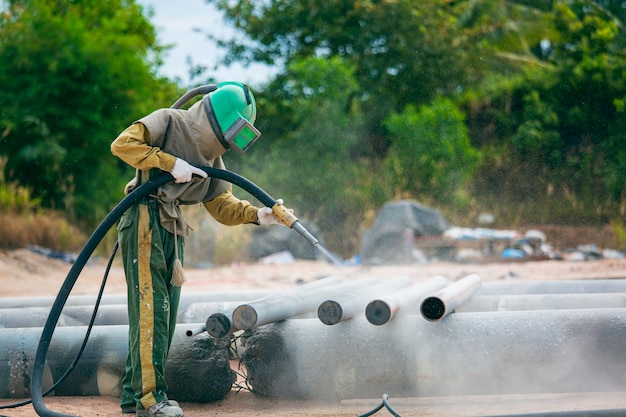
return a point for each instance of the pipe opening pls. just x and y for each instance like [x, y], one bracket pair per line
[378, 312]
[245, 317]
[218, 325]
[433, 308]
[330, 312]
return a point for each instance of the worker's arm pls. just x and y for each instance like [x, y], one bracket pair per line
[133, 147]
[229, 210]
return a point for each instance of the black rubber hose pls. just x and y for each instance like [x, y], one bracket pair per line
[204, 89]
[384, 403]
[91, 245]
[84, 344]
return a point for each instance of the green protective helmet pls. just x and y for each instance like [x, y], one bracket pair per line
[231, 109]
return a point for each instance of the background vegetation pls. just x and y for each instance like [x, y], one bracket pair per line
[515, 108]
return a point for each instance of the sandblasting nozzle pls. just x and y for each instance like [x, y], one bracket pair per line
[284, 214]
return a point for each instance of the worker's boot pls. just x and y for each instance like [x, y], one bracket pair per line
[132, 410]
[163, 409]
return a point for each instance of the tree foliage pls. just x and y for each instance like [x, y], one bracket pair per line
[564, 124]
[74, 74]
[430, 156]
[403, 52]
[311, 163]
[542, 84]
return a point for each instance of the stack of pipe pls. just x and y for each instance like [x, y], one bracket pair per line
[462, 338]
[197, 368]
[352, 339]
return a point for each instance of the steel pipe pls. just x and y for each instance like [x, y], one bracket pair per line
[220, 322]
[108, 314]
[186, 298]
[575, 286]
[438, 305]
[195, 330]
[479, 303]
[290, 304]
[197, 313]
[47, 301]
[495, 353]
[218, 318]
[346, 306]
[384, 309]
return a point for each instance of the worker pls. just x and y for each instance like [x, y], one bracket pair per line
[151, 233]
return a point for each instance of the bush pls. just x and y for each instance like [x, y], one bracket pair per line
[23, 222]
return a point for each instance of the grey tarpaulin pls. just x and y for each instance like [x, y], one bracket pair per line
[390, 240]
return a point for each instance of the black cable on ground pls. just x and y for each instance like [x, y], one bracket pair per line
[384, 403]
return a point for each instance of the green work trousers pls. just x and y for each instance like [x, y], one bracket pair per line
[148, 253]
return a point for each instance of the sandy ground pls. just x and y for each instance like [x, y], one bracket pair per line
[24, 273]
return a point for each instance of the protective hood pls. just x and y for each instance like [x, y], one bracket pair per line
[208, 144]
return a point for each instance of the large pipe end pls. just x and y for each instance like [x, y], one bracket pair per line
[245, 317]
[433, 309]
[218, 325]
[378, 312]
[330, 312]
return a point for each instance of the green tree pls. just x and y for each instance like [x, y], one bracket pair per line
[403, 52]
[74, 74]
[554, 135]
[430, 158]
[312, 164]
[542, 83]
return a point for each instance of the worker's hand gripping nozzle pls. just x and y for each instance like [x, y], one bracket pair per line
[290, 220]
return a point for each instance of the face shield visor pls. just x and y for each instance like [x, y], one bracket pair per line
[241, 135]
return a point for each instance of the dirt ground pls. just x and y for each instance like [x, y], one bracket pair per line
[24, 273]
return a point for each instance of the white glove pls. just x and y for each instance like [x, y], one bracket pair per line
[266, 215]
[132, 184]
[183, 171]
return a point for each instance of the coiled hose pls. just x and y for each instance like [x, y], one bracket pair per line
[86, 252]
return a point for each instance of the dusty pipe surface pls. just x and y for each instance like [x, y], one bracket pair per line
[90, 300]
[220, 322]
[512, 287]
[542, 302]
[109, 314]
[197, 370]
[385, 308]
[554, 351]
[349, 305]
[198, 312]
[290, 304]
[438, 305]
